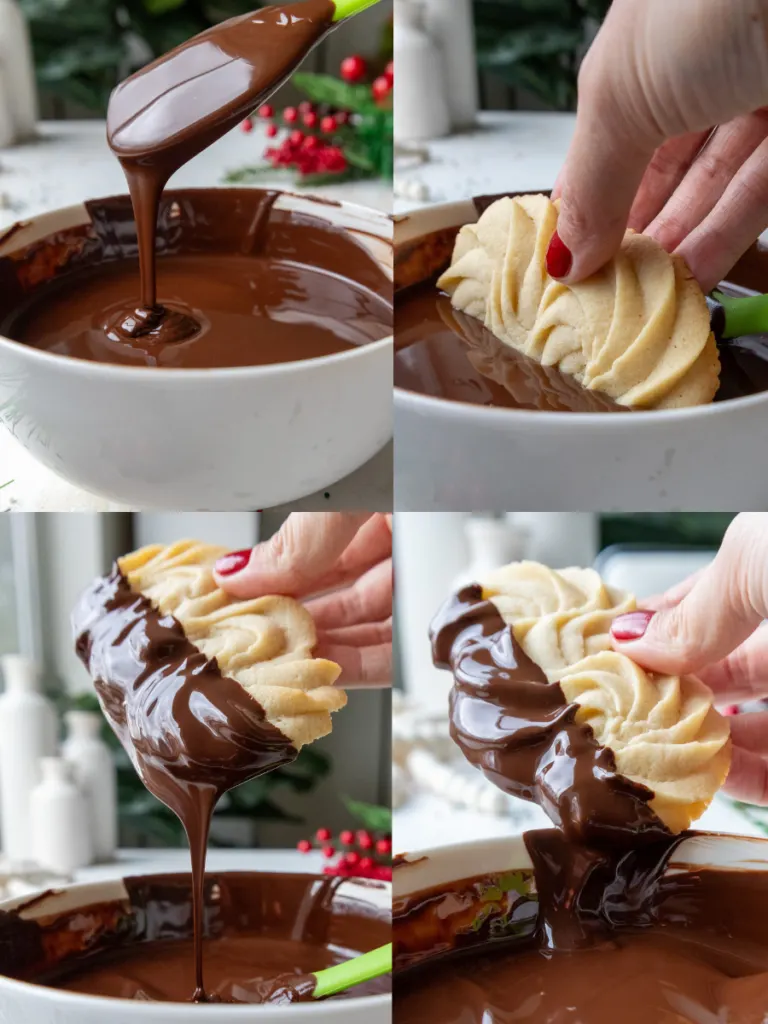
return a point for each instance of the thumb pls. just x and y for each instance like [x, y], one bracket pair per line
[725, 606]
[295, 559]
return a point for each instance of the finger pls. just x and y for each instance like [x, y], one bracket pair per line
[371, 545]
[741, 215]
[360, 666]
[709, 177]
[750, 732]
[668, 166]
[369, 599]
[306, 548]
[748, 777]
[725, 606]
[743, 675]
[367, 634]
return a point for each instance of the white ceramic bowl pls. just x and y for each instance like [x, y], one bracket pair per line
[24, 1003]
[247, 437]
[451, 455]
[445, 865]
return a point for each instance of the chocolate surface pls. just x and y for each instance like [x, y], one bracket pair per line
[443, 353]
[265, 285]
[689, 947]
[265, 936]
[522, 733]
[180, 104]
[191, 732]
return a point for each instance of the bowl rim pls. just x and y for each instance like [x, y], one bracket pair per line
[176, 1012]
[443, 215]
[223, 373]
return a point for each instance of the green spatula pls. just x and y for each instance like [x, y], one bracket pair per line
[346, 8]
[363, 968]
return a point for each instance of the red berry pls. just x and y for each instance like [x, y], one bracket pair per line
[347, 837]
[365, 864]
[389, 71]
[311, 142]
[381, 88]
[290, 115]
[323, 835]
[266, 111]
[329, 851]
[271, 131]
[342, 116]
[296, 138]
[304, 846]
[384, 846]
[354, 68]
[310, 119]
[246, 126]
[305, 106]
[328, 125]
[732, 709]
[352, 858]
[365, 840]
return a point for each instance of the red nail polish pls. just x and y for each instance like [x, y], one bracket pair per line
[234, 562]
[631, 626]
[559, 257]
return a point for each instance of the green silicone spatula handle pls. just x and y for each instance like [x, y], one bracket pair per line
[353, 972]
[346, 8]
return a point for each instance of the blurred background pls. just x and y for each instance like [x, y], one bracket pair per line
[46, 559]
[437, 796]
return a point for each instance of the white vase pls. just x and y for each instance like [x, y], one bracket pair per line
[27, 733]
[420, 102]
[18, 91]
[96, 774]
[61, 838]
[452, 24]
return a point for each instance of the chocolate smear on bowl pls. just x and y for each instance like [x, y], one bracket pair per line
[265, 936]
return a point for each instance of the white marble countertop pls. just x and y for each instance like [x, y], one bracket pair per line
[70, 162]
[506, 152]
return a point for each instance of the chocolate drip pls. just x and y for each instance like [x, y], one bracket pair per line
[191, 733]
[520, 731]
[180, 104]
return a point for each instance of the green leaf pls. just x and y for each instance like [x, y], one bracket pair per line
[330, 90]
[162, 6]
[370, 816]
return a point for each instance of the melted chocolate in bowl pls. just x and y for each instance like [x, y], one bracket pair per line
[263, 285]
[443, 353]
[265, 934]
[693, 951]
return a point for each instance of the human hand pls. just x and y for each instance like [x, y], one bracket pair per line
[671, 138]
[346, 558]
[712, 625]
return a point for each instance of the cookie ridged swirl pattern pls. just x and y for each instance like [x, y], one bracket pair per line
[265, 644]
[663, 730]
[638, 330]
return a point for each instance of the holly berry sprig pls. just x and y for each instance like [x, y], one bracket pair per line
[342, 131]
[360, 854]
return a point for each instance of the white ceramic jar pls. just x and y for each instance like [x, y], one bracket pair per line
[95, 772]
[18, 91]
[420, 97]
[60, 822]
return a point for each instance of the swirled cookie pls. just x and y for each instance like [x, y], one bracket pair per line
[638, 330]
[596, 715]
[265, 644]
[558, 617]
[664, 732]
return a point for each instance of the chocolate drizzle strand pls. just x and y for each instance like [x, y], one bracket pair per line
[191, 732]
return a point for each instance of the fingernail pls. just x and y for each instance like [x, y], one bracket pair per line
[232, 563]
[631, 626]
[559, 257]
